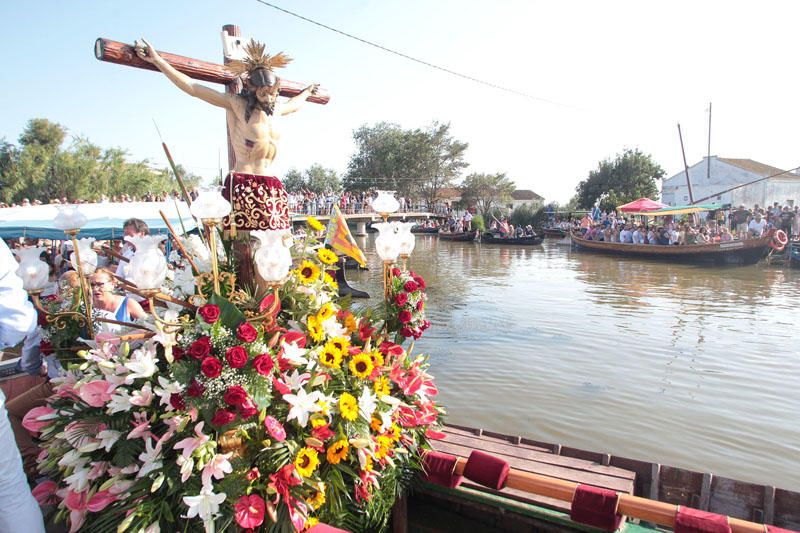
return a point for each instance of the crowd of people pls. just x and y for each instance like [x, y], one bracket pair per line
[714, 226]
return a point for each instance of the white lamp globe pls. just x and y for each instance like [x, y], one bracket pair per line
[273, 258]
[88, 256]
[385, 203]
[33, 271]
[406, 238]
[69, 218]
[148, 265]
[210, 205]
[387, 243]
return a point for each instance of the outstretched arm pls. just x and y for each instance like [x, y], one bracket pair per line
[294, 103]
[147, 52]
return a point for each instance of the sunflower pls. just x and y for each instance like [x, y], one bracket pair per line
[337, 451]
[341, 344]
[381, 386]
[314, 224]
[308, 272]
[328, 257]
[377, 358]
[329, 281]
[361, 365]
[315, 329]
[318, 498]
[325, 312]
[330, 357]
[348, 406]
[306, 461]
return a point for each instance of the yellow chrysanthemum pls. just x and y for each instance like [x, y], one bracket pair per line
[368, 464]
[348, 406]
[315, 329]
[328, 257]
[350, 323]
[306, 461]
[377, 357]
[361, 365]
[384, 446]
[308, 272]
[311, 522]
[318, 421]
[381, 386]
[318, 498]
[314, 224]
[337, 452]
[330, 282]
[324, 407]
[376, 423]
[341, 344]
[326, 311]
[330, 357]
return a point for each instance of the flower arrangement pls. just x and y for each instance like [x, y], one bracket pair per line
[271, 418]
[406, 306]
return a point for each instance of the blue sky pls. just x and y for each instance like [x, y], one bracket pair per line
[625, 71]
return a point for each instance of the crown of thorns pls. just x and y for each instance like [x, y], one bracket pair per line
[257, 58]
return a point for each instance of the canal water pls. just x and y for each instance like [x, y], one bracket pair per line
[689, 366]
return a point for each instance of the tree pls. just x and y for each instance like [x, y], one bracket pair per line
[315, 178]
[631, 175]
[486, 192]
[293, 181]
[412, 162]
[42, 132]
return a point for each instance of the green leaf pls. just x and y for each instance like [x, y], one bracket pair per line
[230, 316]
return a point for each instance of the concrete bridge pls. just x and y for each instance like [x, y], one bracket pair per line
[361, 219]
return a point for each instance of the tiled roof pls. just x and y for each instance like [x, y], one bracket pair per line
[525, 194]
[757, 168]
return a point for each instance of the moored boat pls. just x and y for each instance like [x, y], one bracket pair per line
[464, 236]
[557, 233]
[491, 238]
[745, 252]
[420, 229]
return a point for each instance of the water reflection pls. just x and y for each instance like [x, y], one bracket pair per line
[588, 350]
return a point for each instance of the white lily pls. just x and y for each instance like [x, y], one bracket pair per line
[205, 505]
[303, 404]
[149, 458]
[296, 380]
[367, 403]
[165, 389]
[143, 397]
[294, 354]
[108, 437]
[187, 465]
[120, 401]
[332, 328]
[142, 364]
[79, 479]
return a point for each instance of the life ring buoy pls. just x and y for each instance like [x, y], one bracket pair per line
[779, 240]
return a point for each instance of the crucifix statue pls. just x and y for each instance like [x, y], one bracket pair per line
[258, 199]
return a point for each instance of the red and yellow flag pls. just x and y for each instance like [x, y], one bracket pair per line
[339, 238]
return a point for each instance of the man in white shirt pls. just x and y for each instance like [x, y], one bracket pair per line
[757, 226]
[18, 510]
[638, 236]
[625, 235]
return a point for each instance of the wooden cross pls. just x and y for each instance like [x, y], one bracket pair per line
[124, 54]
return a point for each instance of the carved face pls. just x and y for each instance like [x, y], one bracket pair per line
[266, 94]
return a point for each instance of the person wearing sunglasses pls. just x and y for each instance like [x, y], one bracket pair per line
[110, 304]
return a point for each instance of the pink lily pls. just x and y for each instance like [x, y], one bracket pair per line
[190, 444]
[217, 467]
[96, 393]
[141, 427]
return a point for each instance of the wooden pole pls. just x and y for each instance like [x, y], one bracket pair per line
[649, 510]
[708, 166]
[685, 166]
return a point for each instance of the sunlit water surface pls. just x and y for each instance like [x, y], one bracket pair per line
[696, 367]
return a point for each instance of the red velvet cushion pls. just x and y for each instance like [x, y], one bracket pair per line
[440, 468]
[595, 507]
[486, 470]
[259, 202]
[325, 528]
[690, 520]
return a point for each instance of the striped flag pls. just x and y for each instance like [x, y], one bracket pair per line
[339, 238]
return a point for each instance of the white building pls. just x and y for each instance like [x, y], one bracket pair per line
[783, 187]
[524, 196]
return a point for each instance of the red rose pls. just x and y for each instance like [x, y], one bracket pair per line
[235, 395]
[404, 316]
[209, 313]
[411, 286]
[247, 408]
[406, 332]
[396, 272]
[401, 299]
[195, 389]
[420, 282]
[176, 401]
[211, 367]
[200, 348]
[253, 474]
[425, 325]
[178, 353]
[236, 356]
[264, 364]
[223, 417]
[294, 337]
[246, 332]
[420, 305]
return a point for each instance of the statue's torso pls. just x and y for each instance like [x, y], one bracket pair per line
[255, 143]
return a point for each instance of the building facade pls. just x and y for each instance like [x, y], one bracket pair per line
[725, 173]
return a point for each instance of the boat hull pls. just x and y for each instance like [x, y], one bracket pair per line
[555, 233]
[462, 236]
[424, 230]
[745, 252]
[488, 238]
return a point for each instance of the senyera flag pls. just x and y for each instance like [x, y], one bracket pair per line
[339, 238]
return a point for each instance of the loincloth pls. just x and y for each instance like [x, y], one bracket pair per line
[259, 202]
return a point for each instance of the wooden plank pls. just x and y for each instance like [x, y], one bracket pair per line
[787, 509]
[679, 486]
[496, 446]
[559, 472]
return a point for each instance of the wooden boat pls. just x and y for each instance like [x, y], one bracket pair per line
[420, 229]
[745, 252]
[472, 507]
[557, 233]
[794, 254]
[491, 238]
[464, 236]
